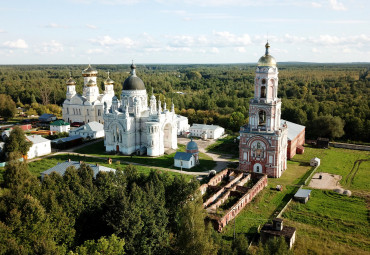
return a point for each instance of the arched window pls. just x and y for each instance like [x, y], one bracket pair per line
[263, 92]
[261, 117]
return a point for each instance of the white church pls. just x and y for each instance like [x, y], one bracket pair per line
[89, 106]
[131, 126]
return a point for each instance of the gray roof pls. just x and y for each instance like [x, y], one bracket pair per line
[205, 126]
[62, 167]
[183, 156]
[293, 129]
[91, 126]
[46, 116]
[37, 139]
[66, 139]
[302, 193]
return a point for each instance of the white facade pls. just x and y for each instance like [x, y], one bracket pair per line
[60, 126]
[40, 146]
[207, 131]
[91, 130]
[315, 162]
[90, 105]
[185, 163]
[182, 124]
[131, 126]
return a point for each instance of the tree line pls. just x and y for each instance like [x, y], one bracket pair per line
[219, 94]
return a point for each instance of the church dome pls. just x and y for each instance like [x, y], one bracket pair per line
[191, 145]
[108, 81]
[90, 71]
[267, 59]
[71, 81]
[90, 83]
[133, 82]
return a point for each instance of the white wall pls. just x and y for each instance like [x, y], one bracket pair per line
[185, 164]
[39, 149]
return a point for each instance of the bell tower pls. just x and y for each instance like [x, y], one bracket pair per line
[265, 107]
[263, 142]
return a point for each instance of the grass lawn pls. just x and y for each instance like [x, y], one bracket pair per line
[330, 224]
[39, 166]
[341, 161]
[166, 161]
[269, 202]
[226, 146]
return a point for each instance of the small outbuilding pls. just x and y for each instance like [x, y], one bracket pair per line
[302, 195]
[322, 142]
[60, 126]
[47, 117]
[277, 229]
[184, 160]
[91, 130]
[61, 168]
[40, 146]
[315, 162]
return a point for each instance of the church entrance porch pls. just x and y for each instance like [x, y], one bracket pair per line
[167, 136]
[257, 168]
[117, 148]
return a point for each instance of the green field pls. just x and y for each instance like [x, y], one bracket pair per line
[39, 166]
[341, 161]
[330, 224]
[165, 161]
[226, 146]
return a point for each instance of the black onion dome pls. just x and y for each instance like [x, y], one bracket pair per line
[133, 82]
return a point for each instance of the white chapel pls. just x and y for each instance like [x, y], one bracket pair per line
[133, 126]
[89, 106]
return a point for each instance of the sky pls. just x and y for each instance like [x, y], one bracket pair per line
[188, 31]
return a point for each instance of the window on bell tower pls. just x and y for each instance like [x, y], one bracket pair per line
[263, 92]
[261, 117]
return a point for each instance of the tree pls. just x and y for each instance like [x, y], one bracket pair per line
[194, 237]
[8, 108]
[17, 142]
[236, 120]
[111, 245]
[327, 126]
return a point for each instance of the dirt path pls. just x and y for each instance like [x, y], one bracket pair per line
[328, 181]
[222, 160]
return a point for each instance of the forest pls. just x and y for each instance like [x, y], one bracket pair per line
[331, 100]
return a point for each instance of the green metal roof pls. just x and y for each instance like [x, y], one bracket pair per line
[59, 123]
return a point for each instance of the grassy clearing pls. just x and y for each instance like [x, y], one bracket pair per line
[37, 167]
[165, 161]
[340, 161]
[337, 223]
[269, 202]
[225, 145]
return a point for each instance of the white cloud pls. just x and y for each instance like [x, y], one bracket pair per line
[241, 49]
[347, 50]
[51, 47]
[315, 50]
[94, 51]
[335, 5]
[54, 25]
[108, 2]
[109, 41]
[18, 44]
[2, 31]
[91, 26]
[215, 50]
[228, 39]
[316, 4]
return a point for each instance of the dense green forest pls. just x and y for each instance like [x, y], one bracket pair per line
[331, 100]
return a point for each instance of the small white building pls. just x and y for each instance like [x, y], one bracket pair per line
[40, 146]
[2, 144]
[61, 168]
[60, 126]
[315, 162]
[207, 131]
[182, 124]
[184, 160]
[91, 130]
